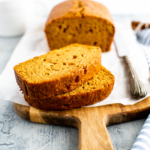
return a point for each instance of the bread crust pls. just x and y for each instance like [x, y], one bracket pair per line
[73, 101]
[60, 85]
[66, 102]
[79, 9]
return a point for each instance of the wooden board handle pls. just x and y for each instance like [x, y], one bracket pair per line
[91, 121]
[93, 134]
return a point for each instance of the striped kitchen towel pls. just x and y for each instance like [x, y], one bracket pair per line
[146, 50]
[143, 37]
[143, 140]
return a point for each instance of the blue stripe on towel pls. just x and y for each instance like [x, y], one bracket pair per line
[147, 55]
[144, 38]
[139, 147]
[143, 140]
[145, 132]
[146, 126]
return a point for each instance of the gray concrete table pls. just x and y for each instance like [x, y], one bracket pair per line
[19, 134]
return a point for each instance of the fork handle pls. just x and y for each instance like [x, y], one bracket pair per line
[137, 89]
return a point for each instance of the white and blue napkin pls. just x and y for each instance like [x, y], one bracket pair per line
[143, 140]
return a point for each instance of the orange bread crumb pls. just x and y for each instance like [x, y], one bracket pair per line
[58, 71]
[90, 92]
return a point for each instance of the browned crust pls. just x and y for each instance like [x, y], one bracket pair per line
[79, 9]
[61, 85]
[73, 101]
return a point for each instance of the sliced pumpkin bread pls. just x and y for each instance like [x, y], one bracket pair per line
[93, 91]
[58, 71]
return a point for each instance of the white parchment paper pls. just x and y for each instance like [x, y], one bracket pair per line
[34, 44]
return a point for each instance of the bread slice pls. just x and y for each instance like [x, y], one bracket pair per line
[93, 91]
[58, 71]
[80, 21]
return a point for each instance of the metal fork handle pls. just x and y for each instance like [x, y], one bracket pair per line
[137, 89]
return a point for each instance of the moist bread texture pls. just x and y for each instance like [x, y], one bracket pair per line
[80, 21]
[58, 71]
[90, 92]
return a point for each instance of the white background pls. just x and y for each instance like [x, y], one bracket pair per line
[117, 6]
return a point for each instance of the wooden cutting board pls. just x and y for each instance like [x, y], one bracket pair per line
[91, 121]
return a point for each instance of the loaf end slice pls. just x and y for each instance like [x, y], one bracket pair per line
[58, 71]
[80, 21]
[93, 91]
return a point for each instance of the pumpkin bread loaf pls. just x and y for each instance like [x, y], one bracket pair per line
[80, 21]
[90, 92]
[58, 71]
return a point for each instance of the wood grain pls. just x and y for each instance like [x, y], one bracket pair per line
[134, 24]
[91, 121]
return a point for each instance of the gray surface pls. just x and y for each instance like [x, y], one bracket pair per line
[18, 134]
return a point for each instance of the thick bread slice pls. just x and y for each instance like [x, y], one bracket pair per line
[80, 21]
[93, 91]
[58, 71]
